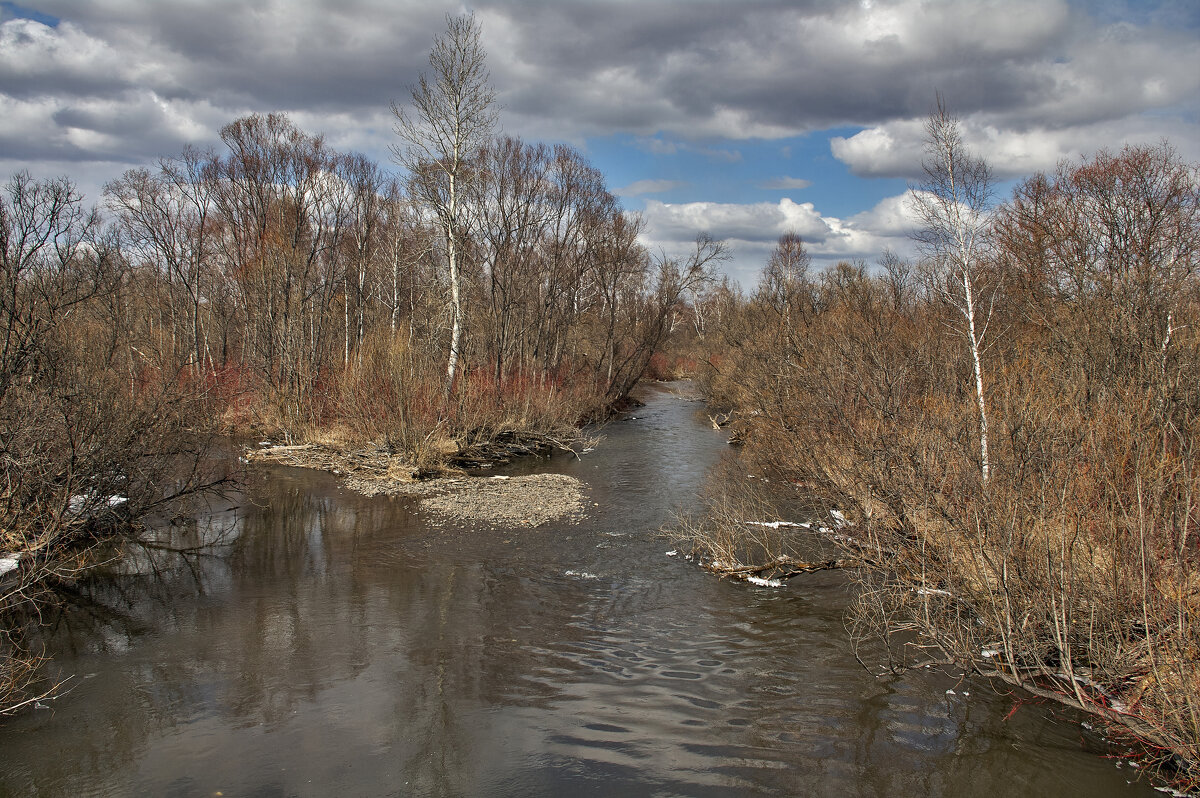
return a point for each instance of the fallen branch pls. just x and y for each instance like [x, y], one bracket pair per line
[782, 567]
[720, 419]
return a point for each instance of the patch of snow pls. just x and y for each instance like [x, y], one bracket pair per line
[8, 562]
[672, 553]
[758, 580]
[1172, 791]
[265, 443]
[499, 477]
[77, 502]
[774, 524]
[932, 591]
[951, 692]
[839, 518]
[580, 574]
[988, 653]
[588, 449]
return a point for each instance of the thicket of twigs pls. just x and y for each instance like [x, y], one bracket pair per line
[1071, 566]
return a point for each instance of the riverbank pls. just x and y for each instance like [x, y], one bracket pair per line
[1052, 548]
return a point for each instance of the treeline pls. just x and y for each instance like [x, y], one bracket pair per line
[310, 288]
[1009, 425]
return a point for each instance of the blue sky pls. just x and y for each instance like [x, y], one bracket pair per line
[740, 119]
[750, 170]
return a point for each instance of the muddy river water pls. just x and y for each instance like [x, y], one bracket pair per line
[337, 645]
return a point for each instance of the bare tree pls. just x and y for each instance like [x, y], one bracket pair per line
[368, 189]
[46, 238]
[786, 274]
[165, 216]
[450, 119]
[953, 205]
[284, 215]
[673, 279]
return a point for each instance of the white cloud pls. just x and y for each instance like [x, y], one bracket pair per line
[895, 149]
[785, 183]
[890, 150]
[763, 221]
[752, 230]
[892, 217]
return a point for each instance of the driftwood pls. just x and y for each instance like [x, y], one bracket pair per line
[369, 460]
[782, 567]
[504, 446]
[720, 419]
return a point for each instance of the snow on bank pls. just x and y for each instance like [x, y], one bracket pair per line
[758, 580]
[839, 522]
[77, 503]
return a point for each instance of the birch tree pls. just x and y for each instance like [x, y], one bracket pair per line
[453, 113]
[953, 205]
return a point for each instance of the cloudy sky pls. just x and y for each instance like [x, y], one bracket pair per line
[742, 119]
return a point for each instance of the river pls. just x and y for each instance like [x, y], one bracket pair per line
[333, 644]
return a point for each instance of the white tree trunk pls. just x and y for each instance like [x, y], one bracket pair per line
[455, 289]
[973, 338]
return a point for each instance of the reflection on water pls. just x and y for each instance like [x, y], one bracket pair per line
[333, 644]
